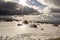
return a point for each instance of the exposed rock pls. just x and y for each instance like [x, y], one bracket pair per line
[25, 22]
[33, 26]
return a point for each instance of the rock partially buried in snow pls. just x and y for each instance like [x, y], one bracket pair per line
[19, 24]
[22, 22]
[54, 38]
[25, 22]
[42, 29]
[33, 26]
[56, 25]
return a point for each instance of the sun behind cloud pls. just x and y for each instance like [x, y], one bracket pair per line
[23, 2]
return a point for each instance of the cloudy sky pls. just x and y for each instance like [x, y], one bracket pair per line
[49, 8]
[16, 6]
[53, 7]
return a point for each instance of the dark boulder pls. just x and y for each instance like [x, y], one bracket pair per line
[33, 26]
[25, 22]
[56, 25]
[19, 24]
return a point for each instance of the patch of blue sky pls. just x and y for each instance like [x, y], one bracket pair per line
[35, 3]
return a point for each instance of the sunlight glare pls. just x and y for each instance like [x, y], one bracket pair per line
[7, 0]
[23, 2]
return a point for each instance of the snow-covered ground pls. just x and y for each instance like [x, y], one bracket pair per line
[25, 31]
[11, 29]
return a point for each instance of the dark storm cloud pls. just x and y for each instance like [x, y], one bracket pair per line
[8, 5]
[55, 10]
[9, 8]
[56, 15]
[27, 10]
[1, 0]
